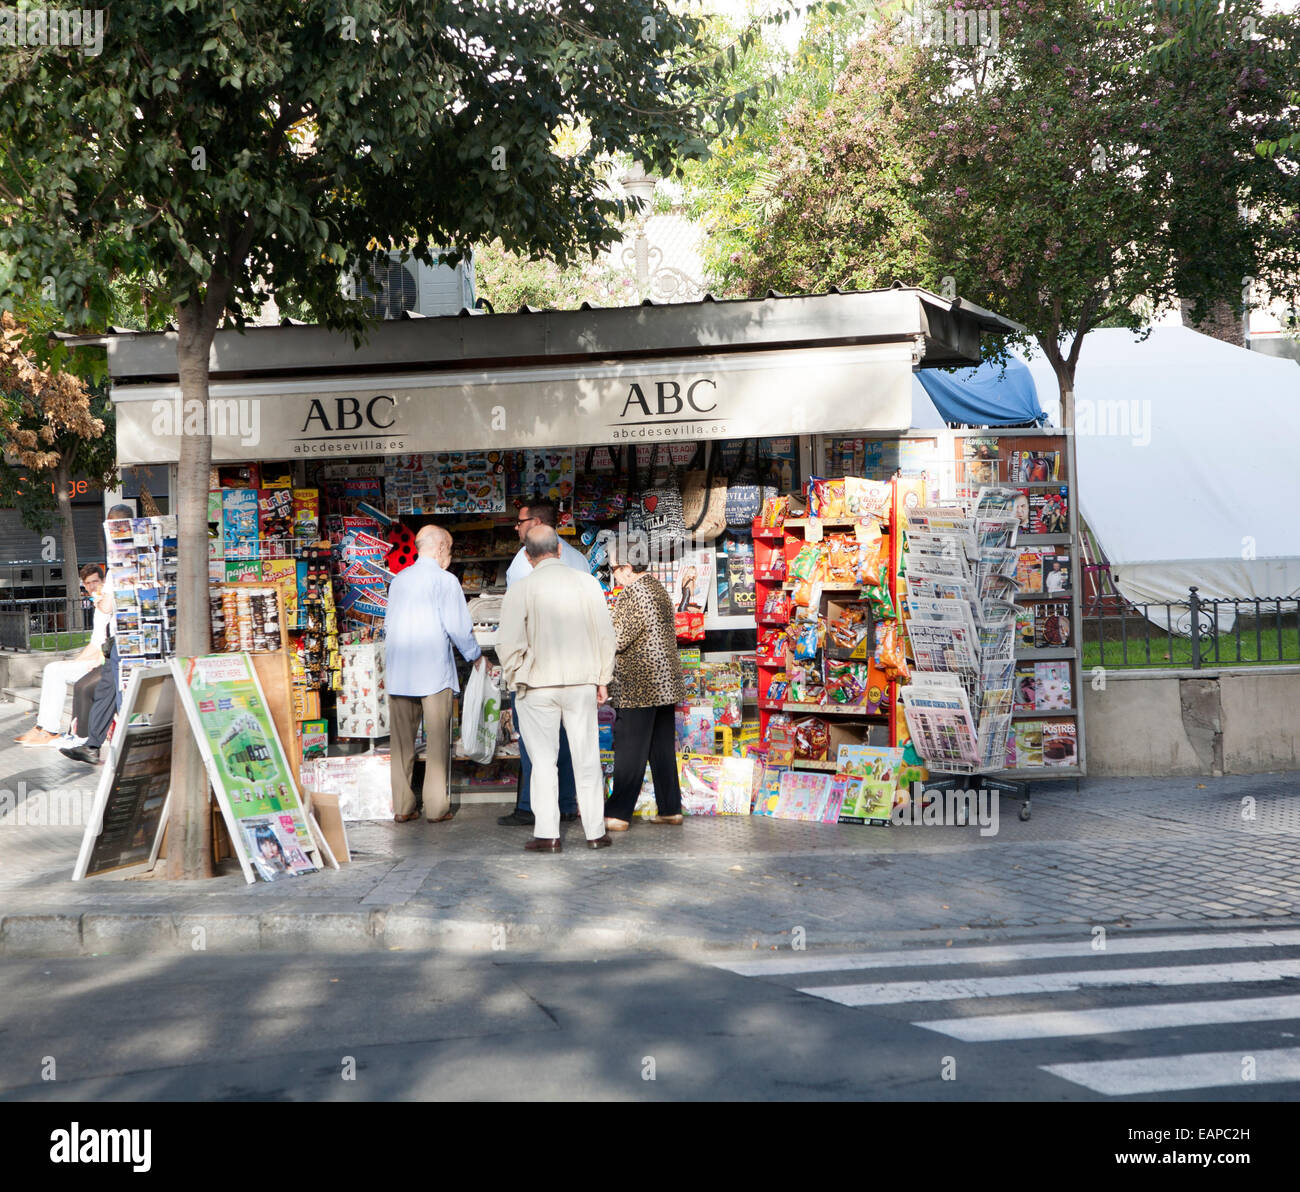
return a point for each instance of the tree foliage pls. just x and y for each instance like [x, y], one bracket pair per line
[1033, 177]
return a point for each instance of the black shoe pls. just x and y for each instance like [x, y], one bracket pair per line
[82, 753]
[516, 819]
[568, 819]
[600, 842]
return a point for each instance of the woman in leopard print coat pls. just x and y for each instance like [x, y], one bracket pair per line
[647, 688]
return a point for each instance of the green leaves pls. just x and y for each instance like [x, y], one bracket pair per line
[246, 141]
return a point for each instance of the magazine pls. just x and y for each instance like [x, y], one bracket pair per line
[981, 456]
[1029, 570]
[1056, 573]
[1051, 625]
[1029, 744]
[1026, 699]
[1060, 743]
[1034, 467]
[1049, 512]
[1025, 626]
[1052, 692]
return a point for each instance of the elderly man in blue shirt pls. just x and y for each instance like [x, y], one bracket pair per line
[427, 615]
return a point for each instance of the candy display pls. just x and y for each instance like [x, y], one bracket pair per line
[812, 738]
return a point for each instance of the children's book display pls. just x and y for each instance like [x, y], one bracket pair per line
[142, 563]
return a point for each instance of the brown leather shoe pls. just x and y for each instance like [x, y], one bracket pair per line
[600, 842]
[442, 819]
[667, 819]
[539, 844]
[406, 819]
[616, 825]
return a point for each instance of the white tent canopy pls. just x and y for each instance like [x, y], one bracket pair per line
[1188, 471]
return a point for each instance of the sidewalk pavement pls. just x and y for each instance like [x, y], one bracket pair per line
[1113, 852]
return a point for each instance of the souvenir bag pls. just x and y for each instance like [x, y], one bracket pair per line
[661, 511]
[744, 494]
[597, 495]
[704, 498]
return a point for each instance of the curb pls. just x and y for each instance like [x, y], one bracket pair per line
[96, 933]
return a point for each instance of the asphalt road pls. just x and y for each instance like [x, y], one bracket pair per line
[1168, 1017]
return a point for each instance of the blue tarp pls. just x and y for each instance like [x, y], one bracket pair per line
[990, 395]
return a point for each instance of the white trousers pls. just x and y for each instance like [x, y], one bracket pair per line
[541, 711]
[55, 681]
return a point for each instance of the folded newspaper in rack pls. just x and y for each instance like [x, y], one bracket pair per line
[939, 719]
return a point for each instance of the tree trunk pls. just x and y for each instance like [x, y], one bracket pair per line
[1065, 383]
[189, 843]
[71, 564]
[1220, 321]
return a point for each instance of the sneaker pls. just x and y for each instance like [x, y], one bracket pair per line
[516, 819]
[67, 741]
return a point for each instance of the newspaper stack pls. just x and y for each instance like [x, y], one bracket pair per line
[961, 619]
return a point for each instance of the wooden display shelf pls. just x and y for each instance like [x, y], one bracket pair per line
[831, 709]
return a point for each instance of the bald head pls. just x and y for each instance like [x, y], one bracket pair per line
[541, 542]
[435, 543]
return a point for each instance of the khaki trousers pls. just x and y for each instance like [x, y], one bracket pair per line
[404, 714]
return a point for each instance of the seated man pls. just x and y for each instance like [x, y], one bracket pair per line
[58, 676]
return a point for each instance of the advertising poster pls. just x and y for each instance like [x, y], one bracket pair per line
[246, 764]
[362, 700]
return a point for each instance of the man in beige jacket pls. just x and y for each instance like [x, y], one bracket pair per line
[556, 646]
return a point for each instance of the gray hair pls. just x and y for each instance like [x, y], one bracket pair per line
[118, 512]
[541, 542]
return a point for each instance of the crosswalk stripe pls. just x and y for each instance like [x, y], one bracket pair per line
[897, 992]
[991, 1028]
[1207, 1069]
[817, 962]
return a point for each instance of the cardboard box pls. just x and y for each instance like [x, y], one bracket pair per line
[326, 810]
[866, 647]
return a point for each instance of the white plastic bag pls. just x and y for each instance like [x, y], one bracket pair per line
[480, 717]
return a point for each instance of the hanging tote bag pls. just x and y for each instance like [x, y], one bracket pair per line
[661, 511]
[744, 497]
[598, 496]
[704, 498]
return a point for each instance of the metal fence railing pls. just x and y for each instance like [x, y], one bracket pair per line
[47, 623]
[1194, 633]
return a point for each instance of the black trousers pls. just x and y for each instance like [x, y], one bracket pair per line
[641, 735]
[83, 697]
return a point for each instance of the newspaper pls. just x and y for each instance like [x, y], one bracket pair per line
[940, 722]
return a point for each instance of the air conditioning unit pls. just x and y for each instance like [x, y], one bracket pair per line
[393, 287]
